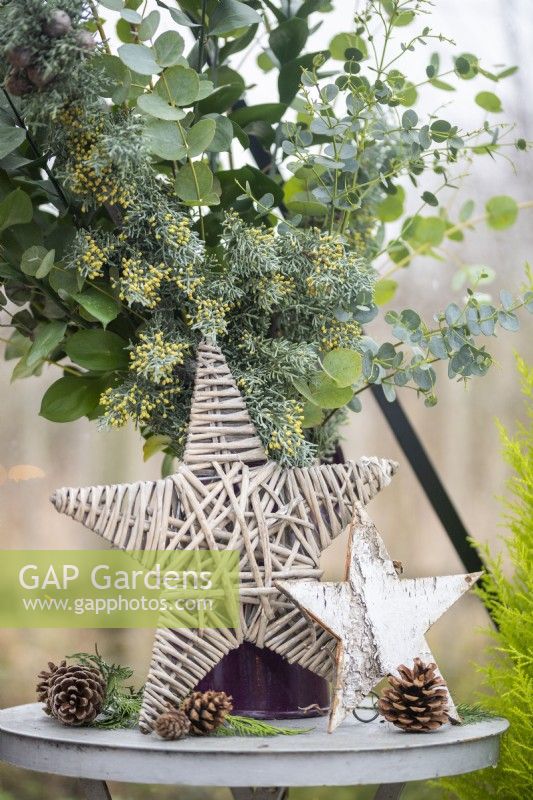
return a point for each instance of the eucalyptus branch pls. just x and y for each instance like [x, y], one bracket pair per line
[99, 26]
[456, 228]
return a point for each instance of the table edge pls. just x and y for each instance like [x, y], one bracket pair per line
[334, 767]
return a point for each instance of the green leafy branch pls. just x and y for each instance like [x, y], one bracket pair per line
[122, 704]
[246, 726]
[345, 374]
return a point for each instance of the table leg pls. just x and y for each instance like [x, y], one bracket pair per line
[259, 793]
[389, 791]
[95, 790]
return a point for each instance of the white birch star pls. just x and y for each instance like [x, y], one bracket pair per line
[379, 619]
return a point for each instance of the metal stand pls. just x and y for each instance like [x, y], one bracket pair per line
[259, 793]
[389, 791]
[98, 790]
[95, 790]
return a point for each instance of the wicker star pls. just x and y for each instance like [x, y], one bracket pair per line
[378, 618]
[227, 494]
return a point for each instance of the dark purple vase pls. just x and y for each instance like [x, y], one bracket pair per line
[265, 686]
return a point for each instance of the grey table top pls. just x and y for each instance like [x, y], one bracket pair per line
[356, 753]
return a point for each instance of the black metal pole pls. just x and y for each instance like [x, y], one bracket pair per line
[414, 450]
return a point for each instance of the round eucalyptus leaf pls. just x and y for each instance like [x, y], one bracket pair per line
[489, 102]
[139, 58]
[164, 139]
[200, 136]
[154, 105]
[502, 212]
[168, 48]
[343, 366]
[179, 85]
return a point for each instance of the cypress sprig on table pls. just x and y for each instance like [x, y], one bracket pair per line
[246, 726]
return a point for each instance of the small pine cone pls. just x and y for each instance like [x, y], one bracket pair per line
[58, 25]
[76, 694]
[85, 40]
[172, 724]
[20, 57]
[206, 711]
[43, 684]
[39, 78]
[417, 700]
[18, 84]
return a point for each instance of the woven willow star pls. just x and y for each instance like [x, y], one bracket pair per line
[227, 494]
[379, 619]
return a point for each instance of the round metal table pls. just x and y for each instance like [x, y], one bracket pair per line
[356, 753]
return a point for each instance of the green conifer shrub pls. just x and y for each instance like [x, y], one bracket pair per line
[508, 677]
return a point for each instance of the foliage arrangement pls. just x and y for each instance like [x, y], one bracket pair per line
[509, 675]
[128, 232]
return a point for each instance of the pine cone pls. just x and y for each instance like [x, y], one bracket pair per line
[20, 57]
[206, 711]
[172, 724]
[18, 84]
[39, 78]
[85, 40]
[76, 694]
[44, 678]
[58, 25]
[417, 700]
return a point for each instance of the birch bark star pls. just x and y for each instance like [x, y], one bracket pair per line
[378, 618]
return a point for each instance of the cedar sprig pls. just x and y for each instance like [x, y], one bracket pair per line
[235, 725]
[471, 713]
[122, 704]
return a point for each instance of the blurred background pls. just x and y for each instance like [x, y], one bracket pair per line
[459, 433]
